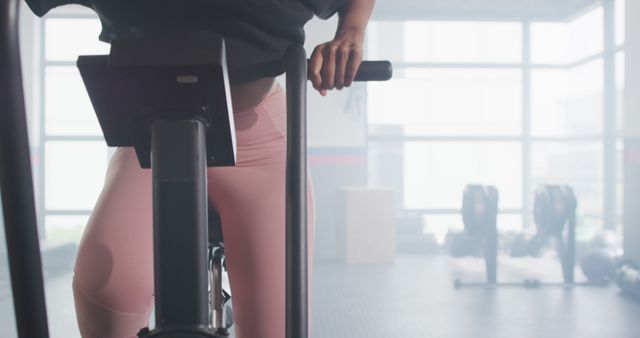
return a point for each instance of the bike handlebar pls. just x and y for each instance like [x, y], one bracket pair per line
[373, 71]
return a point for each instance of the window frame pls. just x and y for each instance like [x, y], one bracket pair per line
[43, 138]
[609, 138]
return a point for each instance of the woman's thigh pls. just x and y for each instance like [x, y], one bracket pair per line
[250, 199]
[113, 281]
[251, 205]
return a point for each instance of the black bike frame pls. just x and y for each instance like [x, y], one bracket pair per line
[296, 195]
[16, 185]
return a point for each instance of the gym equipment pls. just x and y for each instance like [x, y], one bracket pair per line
[628, 279]
[479, 215]
[462, 245]
[220, 308]
[554, 213]
[174, 105]
[25, 267]
[603, 257]
[555, 218]
[169, 97]
[410, 237]
[600, 265]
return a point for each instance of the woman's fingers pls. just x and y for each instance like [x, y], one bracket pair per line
[315, 68]
[355, 59]
[342, 59]
[329, 66]
[333, 65]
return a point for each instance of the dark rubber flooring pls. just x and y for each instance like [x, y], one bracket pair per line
[415, 298]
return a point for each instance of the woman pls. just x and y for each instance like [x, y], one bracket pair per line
[113, 281]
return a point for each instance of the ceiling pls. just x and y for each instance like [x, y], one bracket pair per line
[548, 10]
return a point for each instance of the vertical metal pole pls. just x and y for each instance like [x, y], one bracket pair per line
[609, 117]
[178, 158]
[296, 194]
[16, 185]
[526, 124]
[569, 259]
[571, 250]
[41, 206]
[632, 133]
[491, 236]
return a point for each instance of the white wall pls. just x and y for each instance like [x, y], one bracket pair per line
[338, 119]
[632, 133]
[632, 101]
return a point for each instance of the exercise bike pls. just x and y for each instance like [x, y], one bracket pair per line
[169, 98]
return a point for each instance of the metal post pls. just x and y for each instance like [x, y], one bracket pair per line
[571, 202]
[296, 194]
[491, 234]
[609, 118]
[527, 178]
[16, 185]
[180, 223]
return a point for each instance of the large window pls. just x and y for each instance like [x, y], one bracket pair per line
[450, 101]
[513, 104]
[510, 104]
[71, 147]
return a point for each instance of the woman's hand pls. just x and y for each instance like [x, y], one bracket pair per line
[334, 64]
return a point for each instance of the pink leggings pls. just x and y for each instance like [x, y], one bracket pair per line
[113, 281]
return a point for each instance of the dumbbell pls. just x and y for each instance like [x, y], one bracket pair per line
[461, 245]
[600, 265]
[603, 258]
[628, 279]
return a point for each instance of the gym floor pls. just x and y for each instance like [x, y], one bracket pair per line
[415, 298]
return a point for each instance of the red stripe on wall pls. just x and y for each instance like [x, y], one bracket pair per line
[337, 160]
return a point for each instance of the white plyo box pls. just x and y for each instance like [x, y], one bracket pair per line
[366, 228]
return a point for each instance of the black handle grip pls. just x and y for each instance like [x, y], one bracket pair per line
[374, 71]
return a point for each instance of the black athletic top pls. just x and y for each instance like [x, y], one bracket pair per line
[262, 28]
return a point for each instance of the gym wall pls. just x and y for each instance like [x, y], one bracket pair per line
[632, 134]
[337, 146]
